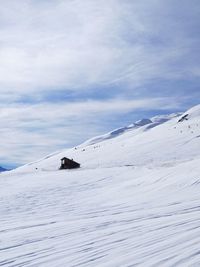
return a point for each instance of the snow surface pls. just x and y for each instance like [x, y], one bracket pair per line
[134, 202]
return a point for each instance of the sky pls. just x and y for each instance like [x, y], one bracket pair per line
[74, 69]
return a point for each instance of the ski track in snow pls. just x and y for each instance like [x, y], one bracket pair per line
[131, 205]
[90, 219]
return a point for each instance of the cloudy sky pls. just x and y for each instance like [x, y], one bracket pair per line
[73, 69]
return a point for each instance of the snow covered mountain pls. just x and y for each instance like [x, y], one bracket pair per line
[156, 141]
[134, 201]
[2, 169]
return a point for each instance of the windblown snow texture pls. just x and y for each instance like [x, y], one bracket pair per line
[134, 202]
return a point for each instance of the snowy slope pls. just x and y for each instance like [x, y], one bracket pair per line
[134, 202]
[162, 141]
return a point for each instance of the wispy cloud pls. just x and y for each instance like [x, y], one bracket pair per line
[59, 59]
[76, 44]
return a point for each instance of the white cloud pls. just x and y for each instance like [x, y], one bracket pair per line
[57, 45]
[75, 44]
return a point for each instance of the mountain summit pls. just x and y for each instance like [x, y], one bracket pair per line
[2, 169]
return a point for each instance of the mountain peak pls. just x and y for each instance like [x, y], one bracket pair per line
[2, 169]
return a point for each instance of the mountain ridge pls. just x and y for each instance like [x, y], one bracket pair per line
[2, 169]
[139, 143]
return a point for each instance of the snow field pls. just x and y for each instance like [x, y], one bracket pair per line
[134, 202]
